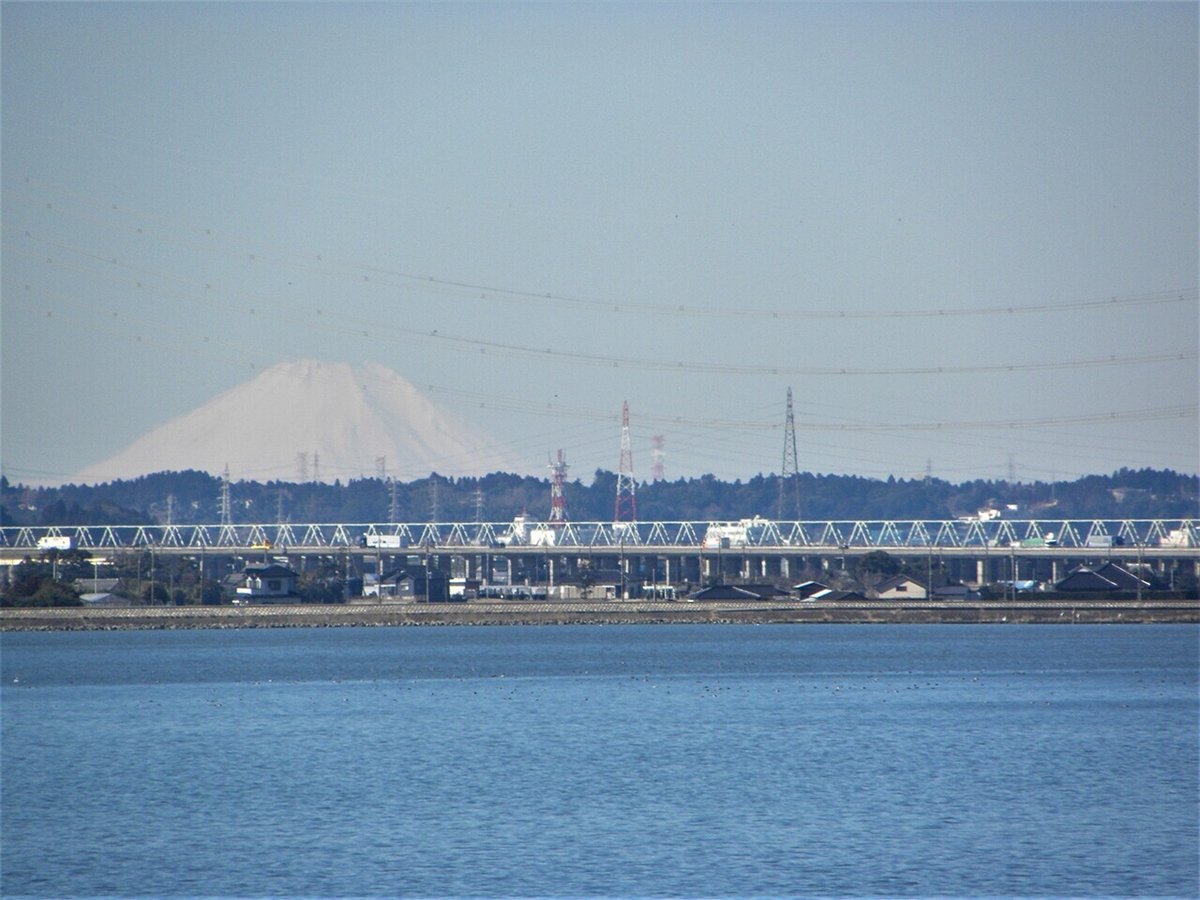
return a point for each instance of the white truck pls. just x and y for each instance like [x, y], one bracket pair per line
[729, 534]
[56, 542]
[382, 541]
[1177, 537]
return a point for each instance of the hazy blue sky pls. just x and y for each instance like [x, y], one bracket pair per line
[538, 211]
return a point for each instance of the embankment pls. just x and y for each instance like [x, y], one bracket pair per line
[609, 613]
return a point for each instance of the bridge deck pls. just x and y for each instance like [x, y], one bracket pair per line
[1126, 538]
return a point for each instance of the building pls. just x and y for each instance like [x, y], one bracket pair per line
[807, 589]
[267, 582]
[956, 592]
[901, 587]
[831, 596]
[1105, 578]
[101, 592]
[416, 586]
[739, 592]
[104, 598]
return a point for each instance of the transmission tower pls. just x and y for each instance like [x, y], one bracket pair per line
[302, 466]
[223, 499]
[558, 500]
[478, 505]
[789, 476]
[433, 499]
[625, 509]
[657, 458]
[316, 466]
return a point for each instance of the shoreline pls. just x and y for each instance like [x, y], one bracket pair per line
[14, 619]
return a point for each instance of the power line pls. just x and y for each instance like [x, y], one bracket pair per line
[367, 328]
[323, 261]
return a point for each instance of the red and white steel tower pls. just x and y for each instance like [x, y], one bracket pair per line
[558, 500]
[657, 457]
[625, 509]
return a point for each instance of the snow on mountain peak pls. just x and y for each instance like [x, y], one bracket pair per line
[312, 420]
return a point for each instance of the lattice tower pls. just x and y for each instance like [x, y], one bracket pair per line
[789, 475]
[224, 499]
[393, 501]
[625, 509]
[657, 459]
[558, 500]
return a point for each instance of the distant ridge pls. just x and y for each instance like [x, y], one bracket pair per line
[309, 421]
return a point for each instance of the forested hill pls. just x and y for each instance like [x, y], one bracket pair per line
[194, 497]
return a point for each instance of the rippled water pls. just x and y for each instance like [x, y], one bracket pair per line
[602, 761]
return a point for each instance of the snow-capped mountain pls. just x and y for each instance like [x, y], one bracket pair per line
[312, 420]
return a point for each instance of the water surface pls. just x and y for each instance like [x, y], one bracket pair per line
[602, 761]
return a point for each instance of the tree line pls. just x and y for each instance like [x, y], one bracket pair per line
[192, 497]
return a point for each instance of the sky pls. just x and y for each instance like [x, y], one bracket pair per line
[963, 235]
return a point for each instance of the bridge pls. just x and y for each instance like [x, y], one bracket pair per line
[1056, 537]
[662, 551]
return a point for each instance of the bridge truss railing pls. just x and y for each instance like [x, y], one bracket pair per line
[1183, 534]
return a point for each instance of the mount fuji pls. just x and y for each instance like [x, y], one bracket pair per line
[312, 421]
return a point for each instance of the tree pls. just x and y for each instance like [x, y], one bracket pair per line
[156, 594]
[873, 568]
[880, 563]
[318, 588]
[325, 583]
[208, 592]
[33, 584]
